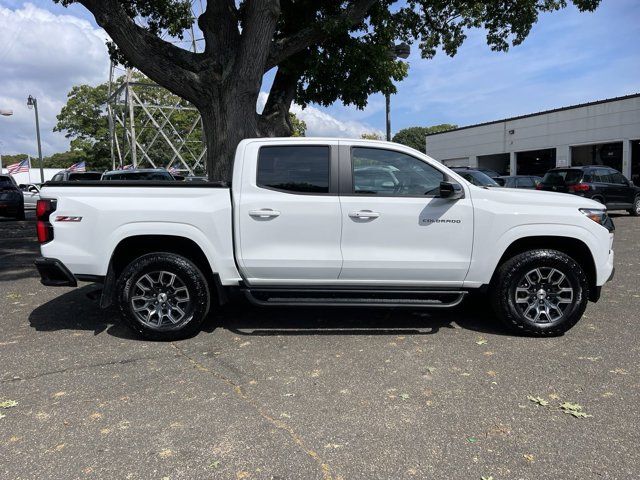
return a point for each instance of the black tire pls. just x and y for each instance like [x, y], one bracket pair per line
[142, 272]
[510, 281]
[635, 211]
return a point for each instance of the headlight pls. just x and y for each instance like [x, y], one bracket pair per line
[599, 216]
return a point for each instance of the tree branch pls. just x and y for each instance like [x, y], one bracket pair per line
[166, 64]
[286, 47]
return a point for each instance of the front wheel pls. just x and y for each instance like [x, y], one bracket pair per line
[635, 210]
[540, 292]
[163, 296]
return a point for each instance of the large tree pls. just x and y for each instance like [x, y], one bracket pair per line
[415, 137]
[323, 51]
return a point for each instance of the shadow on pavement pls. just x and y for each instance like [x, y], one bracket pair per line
[75, 311]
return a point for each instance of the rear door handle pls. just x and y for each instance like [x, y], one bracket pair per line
[264, 213]
[364, 214]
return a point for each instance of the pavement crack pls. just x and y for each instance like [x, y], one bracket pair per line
[279, 424]
[79, 368]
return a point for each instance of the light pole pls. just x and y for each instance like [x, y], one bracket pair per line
[33, 103]
[4, 113]
[402, 50]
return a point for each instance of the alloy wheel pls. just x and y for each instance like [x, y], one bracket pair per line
[160, 299]
[544, 294]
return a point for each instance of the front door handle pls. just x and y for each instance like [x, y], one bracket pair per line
[264, 213]
[364, 214]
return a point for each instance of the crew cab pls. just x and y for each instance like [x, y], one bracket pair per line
[325, 222]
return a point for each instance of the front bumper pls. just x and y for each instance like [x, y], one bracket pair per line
[53, 273]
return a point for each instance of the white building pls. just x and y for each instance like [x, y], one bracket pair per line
[603, 132]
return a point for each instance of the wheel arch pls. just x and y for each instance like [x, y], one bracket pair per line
[132, 247]
[573, 247]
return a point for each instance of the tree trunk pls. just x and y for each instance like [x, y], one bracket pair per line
[227, 118]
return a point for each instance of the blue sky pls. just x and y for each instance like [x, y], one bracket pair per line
[569, 58]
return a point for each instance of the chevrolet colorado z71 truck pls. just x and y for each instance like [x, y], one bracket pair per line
[325, 222]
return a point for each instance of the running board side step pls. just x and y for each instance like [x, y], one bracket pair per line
[354, 297]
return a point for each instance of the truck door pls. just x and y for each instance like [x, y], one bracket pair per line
[395, 230]
[288, 216]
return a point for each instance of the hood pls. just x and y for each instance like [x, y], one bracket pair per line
[517, 196]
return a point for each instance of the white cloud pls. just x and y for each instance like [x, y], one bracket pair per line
[44, 54]
[322, 124]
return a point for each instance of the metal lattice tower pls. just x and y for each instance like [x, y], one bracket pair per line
[150, 127]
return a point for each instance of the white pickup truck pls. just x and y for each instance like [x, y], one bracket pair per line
[325, 222]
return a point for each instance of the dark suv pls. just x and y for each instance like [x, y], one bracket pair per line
[11, 198]
[598, 182]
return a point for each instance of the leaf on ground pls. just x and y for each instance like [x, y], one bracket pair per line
[574, 410]
[404, 396]
[289, 394]
[579, 414]
[571, 406]
[482, 341]
[488, 477]
[538, 400]
[528, 457]
[8, 404]
[472, 439]
[2, 415]
[215, 464]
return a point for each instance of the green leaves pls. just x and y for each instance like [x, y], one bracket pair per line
[8, 404]
[574, 410]
[414, 137]
[569, 408]
[538, 400]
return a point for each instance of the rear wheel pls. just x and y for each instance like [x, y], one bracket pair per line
[540, 292]
[635, 210]
[163, 296]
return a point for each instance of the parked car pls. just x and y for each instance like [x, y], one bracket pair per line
[487, 171]
[11, 200]
[519, 181]
[476, 177]
[66, 176]
[296, 227]
[597, 182]
[31, 195]
[158, 174]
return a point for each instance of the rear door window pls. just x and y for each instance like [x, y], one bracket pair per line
[562, 177]
[294, 168]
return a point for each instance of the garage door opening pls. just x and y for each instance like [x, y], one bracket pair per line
[535, 162]
[609, 154]
[635, 161]
[498, 162]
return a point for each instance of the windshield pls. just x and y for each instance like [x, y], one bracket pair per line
[478, 178]
[6, 182]
[85, 176]
[562, 177]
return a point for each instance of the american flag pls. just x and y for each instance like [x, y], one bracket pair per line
[21, 167]
[78, 167]
[126, 167]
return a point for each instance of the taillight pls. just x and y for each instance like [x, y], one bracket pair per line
[44, 209]
[538, 186]
[579, 187]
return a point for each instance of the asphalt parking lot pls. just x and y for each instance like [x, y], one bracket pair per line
[314, 393]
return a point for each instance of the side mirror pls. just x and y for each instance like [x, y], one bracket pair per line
[33, 189]
[451, 191]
